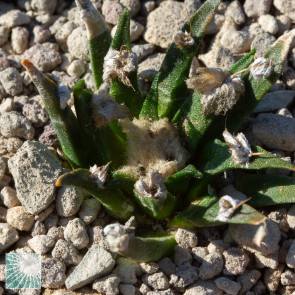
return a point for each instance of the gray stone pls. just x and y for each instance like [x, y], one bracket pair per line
[199, 253]
[290, 258]
[43, 6]
[4, 34]
[286, 7]
[288, 278]
[182, 256]
[272, 277]
[218, 57]
[95, 264]
[235, 11]
[56, 232]
[8, 196]
[89, 210]
[284, 23]
[78, 44]
[215, 24]
[132, 5]
[66, 252]
[162, 23]
[248, 280]
[63, 33]
[262, 42]
[19, 39]
[14, 18]
[68, 200]
[236, 261]
[38, 229]
[275, 131]
[217, 246]
[236, 41]
[167, 266]
[13, 124]
[203, 288]
[184, 276]
[149, 68]
[11, 81]
[76, 68]
[147, 6]
[269, 260]
[112, 11]
[157, 281]
[211, 266]
[8, 236]
[40, 35]
[227, 285]
[7, 105]
[255, 8]
[2, 172]
[52, 273]
[19, 219]
[36, 114]
[268, 23]
[274, 101]
[107, 285]
[142, 50]
[75, 232]
[126, 289]
[244, 235]
[41, 244]
[126, 273]
[279, 216]
[186, 238]
[35, 171]
[149, 268]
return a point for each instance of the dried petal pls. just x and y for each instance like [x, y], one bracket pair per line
[183, 39]
[261, 68]
[64, 95]
[260, 234]
[239, 147]
[99, 174]
[105, 109]
[119, 64]
[116, 237]
[154, 189]
[226, 208]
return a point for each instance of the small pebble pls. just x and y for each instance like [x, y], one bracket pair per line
[248, 280]
[227, 285]
[268, 23]
[211, 266]
[157, 281]
[184, 276]
[75, 232]
[19, 219]
[52, 273]
[182, 256]
[126, 289]
[41, 244]
[288, 278]
[108, 285]
[8, 195]
[89, 210]
[11, 81]
[167, 266]
[19, 39]
[149, 268]
[236, 261]
[186, 238]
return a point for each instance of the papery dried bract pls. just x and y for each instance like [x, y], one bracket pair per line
[119, 64]
[116, 237]
[226, 208]
[261, 68]
[239, 147]
[105, 109]
[153, 187]
[99, 174]
[183, 39]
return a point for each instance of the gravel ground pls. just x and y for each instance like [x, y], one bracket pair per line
[64, 225]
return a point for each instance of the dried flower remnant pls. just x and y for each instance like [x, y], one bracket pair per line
[99, 174]
[219, 90]
[260, 234]
[183, 39]
[64, 95]
[153, 187]
[239, 147]
[227, 207]
[261, 68]
[105, 109]
[116, 237]
[119, 64]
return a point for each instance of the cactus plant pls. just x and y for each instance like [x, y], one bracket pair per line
[155, 159]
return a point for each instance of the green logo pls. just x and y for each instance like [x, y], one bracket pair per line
[23, 271]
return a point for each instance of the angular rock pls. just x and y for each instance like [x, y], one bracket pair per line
[8, 236]
[108, 285]
[95, 264]
[272, 277]
[63, 33]
[8, 196]
[236, 261]
[52, 273]
[248, 280]
[167, 266]
[75, 232]
[275, 131]
[35, 171]
[184, 276]
[203, 288]
[228, 286]
[268, 23]
[14, 18]
[186, 238]
[19, 219]
[44, 6]
[11, 81]
[157, 281]
[262, 42]
[4, 34]
[286, 7]
[89, 210]
[41, 244]
[19, 39]
[235, 11]
[255, 8]
[13, 124]
[211, 266]
[78, 44]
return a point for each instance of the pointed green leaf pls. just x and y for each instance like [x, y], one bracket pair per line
[65, 123]
[189, 118]
[99, 38]
[215, 158]
[178, 183]
[112, 199]
[156, 208]
[150, 248]
[266, 190]
[122, 93]
[203, 213]
[176, 65]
